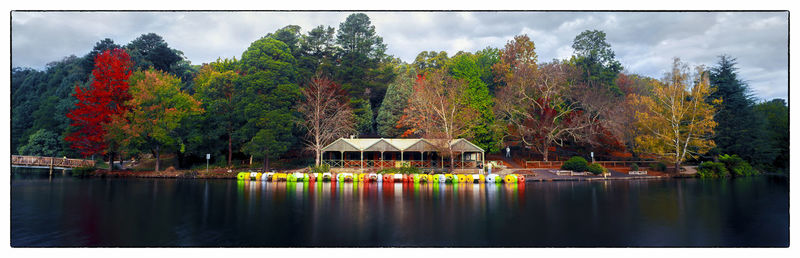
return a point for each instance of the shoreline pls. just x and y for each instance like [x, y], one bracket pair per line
[532, 176]
[223, 174]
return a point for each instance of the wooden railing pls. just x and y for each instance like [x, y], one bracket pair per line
[606, 164]
[623, 164]
[36, 161]
[543, 164]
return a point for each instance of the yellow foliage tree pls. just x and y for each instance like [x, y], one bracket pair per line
[675, 121]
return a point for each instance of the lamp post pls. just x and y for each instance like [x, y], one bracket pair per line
[208, 157]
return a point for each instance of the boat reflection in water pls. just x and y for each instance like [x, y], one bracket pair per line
[67, 211]
[343, 193]
[253, 190]
[391, 214]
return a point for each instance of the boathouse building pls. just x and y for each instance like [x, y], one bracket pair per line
[387, 153]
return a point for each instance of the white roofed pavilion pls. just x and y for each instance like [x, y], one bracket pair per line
[422, 153]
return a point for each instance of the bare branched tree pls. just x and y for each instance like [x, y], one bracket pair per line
[327, 114]
[537, 109]
[599, 107]
[438, 111]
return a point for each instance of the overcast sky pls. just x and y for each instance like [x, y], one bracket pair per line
[645, 43]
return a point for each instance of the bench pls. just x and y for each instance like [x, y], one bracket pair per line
[640, 172]
[562, 172]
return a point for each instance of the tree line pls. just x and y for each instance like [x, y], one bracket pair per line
[291, 92]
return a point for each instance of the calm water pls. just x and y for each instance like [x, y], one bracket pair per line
[66, 211]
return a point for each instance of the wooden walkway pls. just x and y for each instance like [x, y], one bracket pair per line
[49, 162]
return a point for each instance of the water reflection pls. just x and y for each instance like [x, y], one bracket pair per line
[379, 210]
[66, 211]
[253, 191]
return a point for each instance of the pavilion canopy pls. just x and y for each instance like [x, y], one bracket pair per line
[399, 145]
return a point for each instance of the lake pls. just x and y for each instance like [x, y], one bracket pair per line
[68, 211]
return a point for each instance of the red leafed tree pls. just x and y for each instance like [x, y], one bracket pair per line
[534, 103]
[602, 110]
[104, 98]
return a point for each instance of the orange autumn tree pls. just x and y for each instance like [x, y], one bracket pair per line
[676, 122]
[438, 111]
[623, 121]
[118, 136]
[158, 106]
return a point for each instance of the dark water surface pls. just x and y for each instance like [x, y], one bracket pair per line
[67, 211]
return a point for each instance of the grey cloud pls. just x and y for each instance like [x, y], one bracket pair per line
[645, 43]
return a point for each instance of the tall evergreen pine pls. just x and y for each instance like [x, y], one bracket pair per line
[393, 105]
[740, 130]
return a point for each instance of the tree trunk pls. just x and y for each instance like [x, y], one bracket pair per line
[319, 154]
[230, 152]
[157, 153]
[545, 150]
[677, 167]
[452, 162]
[266, 162]
[110, 161]
[181, 159]
[121, 162]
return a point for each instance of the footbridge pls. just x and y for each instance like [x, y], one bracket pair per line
[49, 162]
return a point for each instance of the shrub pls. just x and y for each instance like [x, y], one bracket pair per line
[189, 174]
[387, 171]
[401, 170]
[407, 169]
[659, 166]
[745, 170]
[410, 170]
[736, 165]
[101, 164]
[634, 167]
[577, 164]
[596, 169]
[712, 170]
[82, 171]
[324, 168]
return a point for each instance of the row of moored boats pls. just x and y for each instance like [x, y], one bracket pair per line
[380, 178]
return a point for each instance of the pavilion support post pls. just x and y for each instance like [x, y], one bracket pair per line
[362, 160]
[381, 160]
[342, 158]
[422, 158]
[483, 162]
[462, 159]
